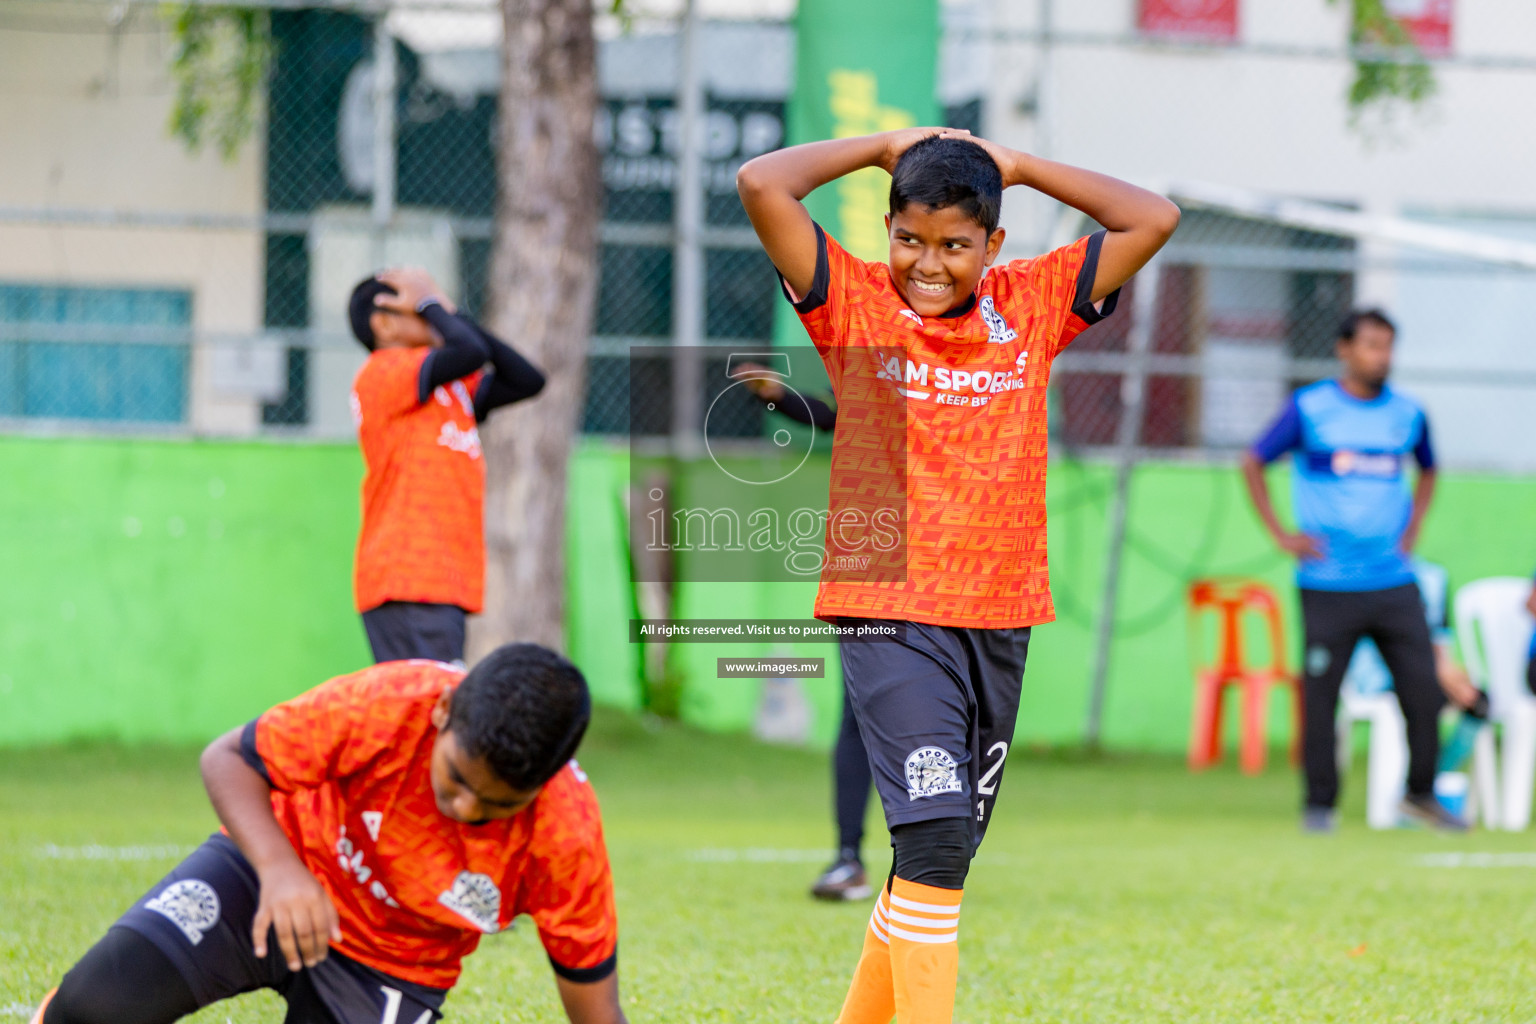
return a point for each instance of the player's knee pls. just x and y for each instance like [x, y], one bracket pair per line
[936, 852]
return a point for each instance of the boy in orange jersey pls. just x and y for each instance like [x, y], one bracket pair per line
[940, 367]
[417, 400]
[374, 829]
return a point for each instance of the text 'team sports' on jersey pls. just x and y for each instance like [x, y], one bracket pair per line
[941, 428]
[423, 535]
[349, 765]
[1349, 486]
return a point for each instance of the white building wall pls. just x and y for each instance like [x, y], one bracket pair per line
[1269, 113]
[83, 127]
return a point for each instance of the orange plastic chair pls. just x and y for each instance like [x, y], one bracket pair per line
[1230, 601]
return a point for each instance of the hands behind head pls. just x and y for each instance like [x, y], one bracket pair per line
[412, 286]
[898, 142]
[903, 139]
[761, 381]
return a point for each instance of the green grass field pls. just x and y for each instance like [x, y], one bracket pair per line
[1115, 889]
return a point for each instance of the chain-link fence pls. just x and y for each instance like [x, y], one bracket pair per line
[145, 289]
[222, 310]
[376, 146]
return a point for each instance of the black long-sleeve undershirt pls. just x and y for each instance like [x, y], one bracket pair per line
[466, 347]
[812, 411]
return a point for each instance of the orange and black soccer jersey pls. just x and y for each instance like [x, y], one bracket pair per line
[422, 537]
[349, 767]
[944, 419]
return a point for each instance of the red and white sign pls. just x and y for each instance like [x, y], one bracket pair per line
[1428, 23]
[1185, 19]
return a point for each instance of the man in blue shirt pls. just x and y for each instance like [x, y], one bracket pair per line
[1357, 523]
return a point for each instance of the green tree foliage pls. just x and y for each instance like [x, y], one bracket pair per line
[1389, 67]
[220, 65]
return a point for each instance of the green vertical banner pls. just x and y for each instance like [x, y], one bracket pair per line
[862, 66]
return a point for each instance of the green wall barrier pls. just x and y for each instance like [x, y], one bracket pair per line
[1185, 522]
[172, 590]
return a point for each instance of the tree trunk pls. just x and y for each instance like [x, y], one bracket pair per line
[541, 291]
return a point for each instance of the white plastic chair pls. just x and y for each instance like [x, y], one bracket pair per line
[1386, 772]
[1367, 696]
[1494, 632]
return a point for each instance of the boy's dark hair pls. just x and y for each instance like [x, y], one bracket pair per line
[949, 172]
[1352, 323]
[523, 709]
[361, 307]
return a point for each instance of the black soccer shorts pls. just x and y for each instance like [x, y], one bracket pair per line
[200, 917]
[401, 630]
[936, 706]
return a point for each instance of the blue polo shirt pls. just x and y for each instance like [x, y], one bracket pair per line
[1350, 485]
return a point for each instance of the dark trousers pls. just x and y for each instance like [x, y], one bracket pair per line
[1334, 622]
[401, 630]
[851, 779]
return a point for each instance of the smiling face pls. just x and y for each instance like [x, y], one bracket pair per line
[466, 788]
[938, 256]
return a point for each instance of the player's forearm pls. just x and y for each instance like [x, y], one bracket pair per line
[1258, 493]
[243, 801]
[1423, 497]
[1117, 205]
[519, 378]
[800, 170]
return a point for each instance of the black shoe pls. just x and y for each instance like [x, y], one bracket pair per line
[1320, 820]
[844, 880]
[1425, 810]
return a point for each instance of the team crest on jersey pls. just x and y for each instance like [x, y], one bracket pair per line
[998, 331]
[912, 316]
[931, 771]
[476, 899]
[190, 904]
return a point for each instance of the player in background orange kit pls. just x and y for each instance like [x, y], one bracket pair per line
[417, 401]
[939, 365]
[374, 829]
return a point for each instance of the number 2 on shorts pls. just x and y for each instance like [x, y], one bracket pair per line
[987, 786]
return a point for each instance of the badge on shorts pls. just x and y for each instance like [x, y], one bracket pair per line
[475, 898]
[931, 771]
[1318, 660]
[190, 904]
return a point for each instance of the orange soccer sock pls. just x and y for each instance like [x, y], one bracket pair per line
[924, 926]
[870, 999]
